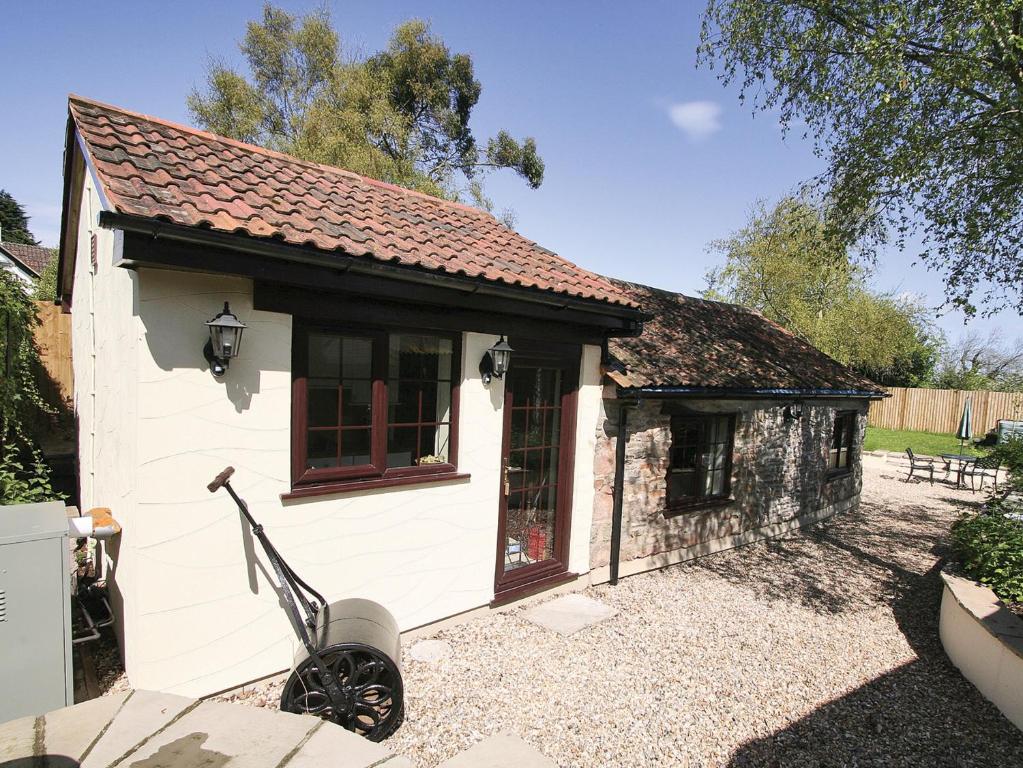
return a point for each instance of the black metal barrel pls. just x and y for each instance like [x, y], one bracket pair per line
[359, 641]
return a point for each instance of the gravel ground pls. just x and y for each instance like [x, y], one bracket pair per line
[819, 648]
[816, 649]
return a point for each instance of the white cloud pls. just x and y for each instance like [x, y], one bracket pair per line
[696, 119]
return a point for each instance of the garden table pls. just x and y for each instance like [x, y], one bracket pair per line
[962, 460]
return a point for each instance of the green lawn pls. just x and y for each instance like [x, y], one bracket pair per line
[922, 443]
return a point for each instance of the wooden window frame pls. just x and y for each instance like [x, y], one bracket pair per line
[306, 481]
[849, 434]
[689, 503]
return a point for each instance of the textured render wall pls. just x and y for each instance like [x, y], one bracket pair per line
[208, 618]
[104, 341]
[778, 474]
[583, 489]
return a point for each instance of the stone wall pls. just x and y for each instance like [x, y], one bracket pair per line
[779, 473]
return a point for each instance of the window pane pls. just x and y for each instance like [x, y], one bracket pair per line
[433, 445]
[413, 356]
[322, 404]
[322, 449]
[357, 402]
[402, 446]
[357, 358]
[681, 485]
[324, 356]
[355, 447]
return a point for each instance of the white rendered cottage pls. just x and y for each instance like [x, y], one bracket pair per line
[358, 412]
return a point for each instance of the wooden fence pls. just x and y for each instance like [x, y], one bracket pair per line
[53, 337]
[939, 410]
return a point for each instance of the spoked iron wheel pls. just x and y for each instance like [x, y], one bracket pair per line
[373, 696]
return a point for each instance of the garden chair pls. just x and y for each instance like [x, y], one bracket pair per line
[916, 463]
[985, 466]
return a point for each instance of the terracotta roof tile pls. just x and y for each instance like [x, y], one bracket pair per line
[32, 256]
[709, 344]
[151, 168]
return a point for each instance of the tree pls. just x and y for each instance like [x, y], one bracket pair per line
[917, 108]
[24, 476]
[785, 264]
[401, 115]
[977, 361]
[46, 284]
[14, 221]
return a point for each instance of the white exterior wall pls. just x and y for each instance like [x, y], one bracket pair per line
[17, 270]
[104, 352]
[201, 615]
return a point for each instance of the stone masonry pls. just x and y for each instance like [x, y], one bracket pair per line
[779, 472]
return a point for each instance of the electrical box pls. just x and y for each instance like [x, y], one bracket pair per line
[35, 610]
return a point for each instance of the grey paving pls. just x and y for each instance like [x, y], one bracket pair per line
[143, 729]
[430, 651]
[502, 751]
[70, 731]
[142, 715]
[569, 614]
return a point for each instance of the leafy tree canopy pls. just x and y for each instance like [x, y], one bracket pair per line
[785, 264]
[14, 221]
[978, 361]
[917, 108]
[401, 115]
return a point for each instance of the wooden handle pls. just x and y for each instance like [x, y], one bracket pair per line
[219, 480]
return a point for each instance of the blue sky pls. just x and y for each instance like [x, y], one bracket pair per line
[648, 158]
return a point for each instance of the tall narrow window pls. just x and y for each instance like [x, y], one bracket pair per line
[840, 454]
[372, 404]
[700, 465]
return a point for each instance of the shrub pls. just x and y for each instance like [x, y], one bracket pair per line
[24, 475]
[1010, 456]
[990, 549]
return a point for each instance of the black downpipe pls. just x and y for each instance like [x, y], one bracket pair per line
[619, 490]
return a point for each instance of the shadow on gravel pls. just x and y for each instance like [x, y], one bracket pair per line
[921, 714]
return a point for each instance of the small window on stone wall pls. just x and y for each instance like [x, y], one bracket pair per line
[840, 457]
[700, 464]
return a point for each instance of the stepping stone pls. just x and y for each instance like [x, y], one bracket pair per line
[502, 751]
[70, 731]
[569, 614]
[143, 714]
[430, 651]
[215, 733]
[331, 745]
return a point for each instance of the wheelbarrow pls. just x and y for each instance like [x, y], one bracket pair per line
[348, 667]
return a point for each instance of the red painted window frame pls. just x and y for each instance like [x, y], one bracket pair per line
[337, 478]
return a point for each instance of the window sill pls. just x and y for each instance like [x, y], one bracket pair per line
[366, 484]
[698, 506]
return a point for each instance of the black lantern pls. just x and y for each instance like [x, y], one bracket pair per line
[793, 412]
[496, 360]
[224, 342]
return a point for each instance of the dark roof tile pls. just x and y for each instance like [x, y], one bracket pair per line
[701, 344]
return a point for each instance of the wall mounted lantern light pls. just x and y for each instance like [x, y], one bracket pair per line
[496, 360]
[793, 412]
[224, 342]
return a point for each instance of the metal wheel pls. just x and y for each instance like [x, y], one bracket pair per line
[374, 697]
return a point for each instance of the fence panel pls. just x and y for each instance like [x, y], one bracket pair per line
[53, 337]
[939, 410]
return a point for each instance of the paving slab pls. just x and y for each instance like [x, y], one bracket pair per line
[216, 732]
[143, 714]
[18, 738]
[505, 750]
[430, 651]
[331, 745]
[569, 614]
[71, 730]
